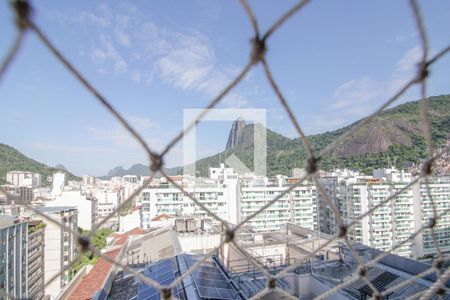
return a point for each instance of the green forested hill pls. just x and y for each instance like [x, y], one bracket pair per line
[12, 160]
[395, 136]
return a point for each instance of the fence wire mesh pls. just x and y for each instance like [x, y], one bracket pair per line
[26, 25]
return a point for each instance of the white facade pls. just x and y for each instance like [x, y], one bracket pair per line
[89, 180]
[393, 222]
[130, 179]
[235, 198]
[392, 175]
[130, 221]
[84, 203]
[60, 246]
[297, 206]
[58, 182]
[389, 224]
[232, 199]
[107, 202]
[20, 178]
[217, 196]
[13, 257]
[437, 192]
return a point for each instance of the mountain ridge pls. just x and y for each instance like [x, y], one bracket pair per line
[138, 170]
[395, 135]
[12, 159]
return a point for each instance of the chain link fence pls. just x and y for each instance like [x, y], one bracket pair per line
[26, 25]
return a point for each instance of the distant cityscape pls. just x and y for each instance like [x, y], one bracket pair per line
[36, 251]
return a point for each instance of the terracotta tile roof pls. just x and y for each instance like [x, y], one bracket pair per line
[93, 281]
[162, 216]
[135, 231]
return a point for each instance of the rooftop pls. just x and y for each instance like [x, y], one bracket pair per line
[53, 209]
[208, 281]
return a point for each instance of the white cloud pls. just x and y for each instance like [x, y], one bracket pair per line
[136, 76]
[183, 58]
[120, 33]
[187, 64]
[100, 17]
[120, 136]
[357, 98]
[129, 145]
[405, 69]
[355, 93]
[107, 52]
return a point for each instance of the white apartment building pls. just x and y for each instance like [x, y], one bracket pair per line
[219, 196]
[392, 224]
[232, 199]
[437, 192]
[297, 206]
[389, 224]
[21, 178]
[60, 246]
[129, 184]
[13, 256]
[107, 202]
[83, 202]
[89, 180]
[58, 182]
[133, 179]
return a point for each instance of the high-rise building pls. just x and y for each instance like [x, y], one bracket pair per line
[58, 182]
[13, 256]
[130, 179]
[60, 246]
[165, 198]
[233, 198]
[21, 178]
[18, 194]
[107, 202]
[36, 256]
[391, 223]
[297, 205]
[85, 204]
[388, 224]
[432, 198]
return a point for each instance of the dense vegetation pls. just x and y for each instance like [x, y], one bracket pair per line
[398, 127]
[99, 242]
[33, 229]
[12, 160]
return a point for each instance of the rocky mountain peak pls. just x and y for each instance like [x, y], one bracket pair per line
[235, 135]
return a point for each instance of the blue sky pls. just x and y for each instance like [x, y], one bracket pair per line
[335, 61]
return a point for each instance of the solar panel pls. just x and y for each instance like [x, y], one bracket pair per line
[163, 273]
[217, 293]
[210, 281]
[214, 276]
